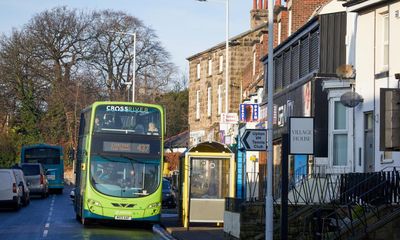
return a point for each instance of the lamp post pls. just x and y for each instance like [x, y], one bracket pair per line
[269, 207]
[226, 53]
[134, 62]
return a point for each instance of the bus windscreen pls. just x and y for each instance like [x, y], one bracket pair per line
[42, 155]
[127, 119]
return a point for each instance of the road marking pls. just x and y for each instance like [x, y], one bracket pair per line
[47, 225]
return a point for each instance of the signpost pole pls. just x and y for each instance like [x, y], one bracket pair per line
[269, 214]
[285, 184]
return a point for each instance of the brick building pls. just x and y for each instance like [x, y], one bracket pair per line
[289, 18]
[207, 82]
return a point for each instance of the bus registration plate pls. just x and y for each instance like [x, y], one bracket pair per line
[127, 218]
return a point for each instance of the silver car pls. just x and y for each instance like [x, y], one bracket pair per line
[21, 180]
[36, 178]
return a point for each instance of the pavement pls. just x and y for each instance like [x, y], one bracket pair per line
[171, 229]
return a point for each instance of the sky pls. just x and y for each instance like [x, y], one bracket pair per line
[184, 27]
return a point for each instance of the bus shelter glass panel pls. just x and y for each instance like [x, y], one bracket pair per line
[210, 178]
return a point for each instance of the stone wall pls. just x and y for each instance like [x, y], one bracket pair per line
[240, 55]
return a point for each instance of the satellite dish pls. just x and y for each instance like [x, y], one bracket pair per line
[351, 99]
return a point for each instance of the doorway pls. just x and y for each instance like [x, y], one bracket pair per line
[369, 159]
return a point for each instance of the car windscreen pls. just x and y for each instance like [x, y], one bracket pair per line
[31, 170]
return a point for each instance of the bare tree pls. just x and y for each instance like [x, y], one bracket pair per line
[113, 55]
[64, 59]
[61, 42]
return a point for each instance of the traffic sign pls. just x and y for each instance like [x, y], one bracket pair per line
[255, 139]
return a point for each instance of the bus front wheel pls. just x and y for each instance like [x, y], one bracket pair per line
[85, 221]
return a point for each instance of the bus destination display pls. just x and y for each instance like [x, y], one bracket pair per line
[126, 147]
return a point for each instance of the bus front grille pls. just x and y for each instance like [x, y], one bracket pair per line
[123, 205]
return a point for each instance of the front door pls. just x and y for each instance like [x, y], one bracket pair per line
[369, 160]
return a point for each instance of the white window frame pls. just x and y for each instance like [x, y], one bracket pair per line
[334, 132]
[385, 42]
[279, 32]
[254, 62]
[197, 104]
[209, 102]
[219, 109]
[198, 71]
[221, 63]
[210, 67]
[290, 22]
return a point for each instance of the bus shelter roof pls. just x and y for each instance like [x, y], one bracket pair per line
[211, 147]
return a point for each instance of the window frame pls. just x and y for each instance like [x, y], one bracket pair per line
[209, 101]
[197, 104]
[210, 63]
[385, 42]
[219, 109]
[198, 71]
[337, 132]
[221, 63]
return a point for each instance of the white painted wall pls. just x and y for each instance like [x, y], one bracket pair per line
[368, 63]
[332, 7]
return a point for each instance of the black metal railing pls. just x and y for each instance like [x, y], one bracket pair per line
[359, 206]
[234, 204]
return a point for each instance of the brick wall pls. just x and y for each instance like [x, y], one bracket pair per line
[302, 11]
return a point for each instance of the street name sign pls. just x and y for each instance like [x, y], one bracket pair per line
[255, 139]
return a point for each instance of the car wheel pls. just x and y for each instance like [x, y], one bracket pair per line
[25, 201]
[17, 205]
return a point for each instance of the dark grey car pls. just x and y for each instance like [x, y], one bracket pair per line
[36, 178]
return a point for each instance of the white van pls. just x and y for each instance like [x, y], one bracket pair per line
[10, 190]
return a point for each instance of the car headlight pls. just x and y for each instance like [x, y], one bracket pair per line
[154, 205]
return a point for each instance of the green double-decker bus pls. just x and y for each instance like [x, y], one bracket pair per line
[119, 162]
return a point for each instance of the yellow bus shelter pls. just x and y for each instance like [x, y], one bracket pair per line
[207, 177]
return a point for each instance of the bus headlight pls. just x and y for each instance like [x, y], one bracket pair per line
[154, 205]
[95, 206]
[95, 203]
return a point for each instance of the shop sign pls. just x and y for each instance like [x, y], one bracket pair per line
[301, 135]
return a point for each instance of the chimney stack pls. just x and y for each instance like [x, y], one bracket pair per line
[258, 15]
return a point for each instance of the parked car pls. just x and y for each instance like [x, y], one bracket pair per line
[21, 180]
[168, 195]
[36, 178]
[10, 190]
